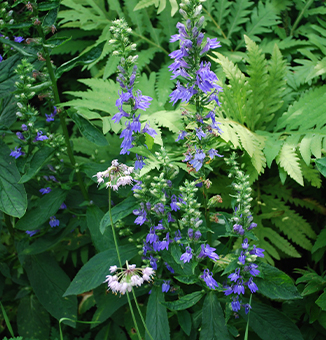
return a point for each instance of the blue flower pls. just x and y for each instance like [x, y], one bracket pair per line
[44, 191]
[190, 233]
[165, 243]
[235, 304]
[197, 235]
[153, 262]
[32, 232]
[239, 288]
[211, 44]
[142, 214]
[253, 269]
[169, 268]
[40, 137]
[198, 160]
[252, 286]
[166, 286]
[182, 135]
[212, 153]
[54, 222]
[147, 129]
[245, 244]
[183, 93]
[200, 134]
[235, 276]
[141, 102]
[257, 251]
[170, 218]
[242, 258]
[139, 164]
[177, 235]
[208, 251]
[187, 256]
[208, 278]
[247, 308]
[151, 236]
[20, 135]
[17, 152]
[174, 206]
[18, 39]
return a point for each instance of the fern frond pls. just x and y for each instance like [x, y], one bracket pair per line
[222, 11]
[169, 119]
[164, 85]
[154, 32]
[136, 17]
[167, 23]
[146, 3]
[145, 56]
[262, 19]
[289, 161]
[290, 223]
[311, 175]
[238, 16]
[280, 242]
[258, 81]
[272, 146]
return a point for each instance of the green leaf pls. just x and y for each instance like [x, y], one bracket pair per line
[40, 157]
[156, 317]
[170, 119]
[13, 199]
[22, 49]
[187, 279]
[51, 17]
[321, 301]
[320, 242]
[276, 284]
[84, 59]
[145, 3]
[46, 6]
[49, 282]
[8, 76]
[8, 109]
[37, 323]
[321, 165]
[270, 324]
[93, 273]
[118, 212]
[184, 302]
[88, 130]
[213, 326]
[184, 320]
[101, 241]
[47, 206]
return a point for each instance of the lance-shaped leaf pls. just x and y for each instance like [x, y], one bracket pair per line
[184, 302]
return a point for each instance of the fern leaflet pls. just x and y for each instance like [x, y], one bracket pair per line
[164, 85]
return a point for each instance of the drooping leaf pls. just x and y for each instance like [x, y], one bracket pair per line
[49, 282]
[48, 206]
[93, 273]
[13, 199]
[213, 325]
[156, 317]
[185, 301]
[184, 320]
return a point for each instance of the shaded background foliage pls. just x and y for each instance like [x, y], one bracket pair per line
[272, 68]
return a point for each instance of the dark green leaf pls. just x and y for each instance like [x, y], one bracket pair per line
[313, 287]
[184, 302]
[276, 284]
[49, 282]
[46, 6]
[22, 49]
[101, 241]
[40, 158]
[84, 59]
[51, 17]
[37, 324]
[8, 109]
[48, 206]
[176, 254]
[186, 279]
[321, 301]
[213, 325]
[88, 130]
[13, 199]
[270, 324]
[156, 316]
[94, 272]
[321, 165]
[184, 320]
[320, 242]
[118, 212]
[8, 75]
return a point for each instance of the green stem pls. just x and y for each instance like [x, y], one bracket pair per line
[62, 118]
[120, 264]
[247, 327]
[296, 23]
[141, 315]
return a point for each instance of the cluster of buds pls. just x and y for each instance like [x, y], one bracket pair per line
[124, 279]
[191, 8]
[5, 15]
[115, 176]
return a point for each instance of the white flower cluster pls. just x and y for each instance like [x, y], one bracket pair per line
[117, 174]
[127, 278]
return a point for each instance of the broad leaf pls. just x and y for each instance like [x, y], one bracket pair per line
[321, 301]
[49, 282]
[321, 165]
[184, 302]
[13, 199]
[156, 316]
[94, 272]
[213, 326]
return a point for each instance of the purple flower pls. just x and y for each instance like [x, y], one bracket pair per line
[174, 206]
[190, 233]
[252, 286]
[252, 268]
[54, 222]
[151, 236]
[159, 208]
[229, 290]
[32, 232]
[116, 118]
[235, 276]
[200, 134]
[40, 137]
[169, 268]
[153, 262]
[137, 185]
[245, 244]
[170, 218]
[182, 93]
[247, 308]
[141, 102]
[18, 39]
[238, 288]
[146, 248]
[165, 243]
[235, 304]
[20, 135]
[166, 286]
[242, 258]
[63, 206]
[182, 135]
[24, 127]
[238, 229]
[208, 251]
[17, 152]
[197, 235]
[44, 191]
[187, 256]
[177, 236]
[208, 278]
[212, 153]
[124, 98]
[139, 164]
[198, 160]
[147, 129]
[257, 251]
[1, 58]
[211, 44]
[49, 118]
[142, 214]
[252, 225]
